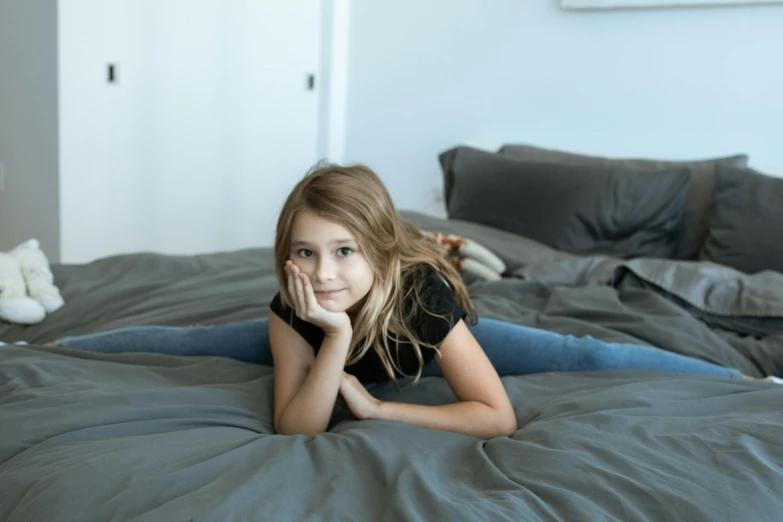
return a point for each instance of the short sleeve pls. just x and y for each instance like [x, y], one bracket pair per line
[309, 332]
[285, 313]
[442, 310]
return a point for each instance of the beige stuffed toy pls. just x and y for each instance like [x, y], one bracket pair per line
[469, 257]
[27, 290]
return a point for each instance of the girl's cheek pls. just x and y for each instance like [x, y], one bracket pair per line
[355, 258]
[302, 264]
[352, 263]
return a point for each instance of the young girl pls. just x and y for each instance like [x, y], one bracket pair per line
[365, 297]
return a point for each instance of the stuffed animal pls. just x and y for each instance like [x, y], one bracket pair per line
[15, 305]
[27, 290]
[469, 257]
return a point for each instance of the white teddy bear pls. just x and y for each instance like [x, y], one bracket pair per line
[27, 290]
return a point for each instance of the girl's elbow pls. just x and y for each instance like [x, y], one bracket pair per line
[509, 428]
[281, 428]
[507, 424]
[309, 434]
[501, 421]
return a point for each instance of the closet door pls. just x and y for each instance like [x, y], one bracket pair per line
[203, 116]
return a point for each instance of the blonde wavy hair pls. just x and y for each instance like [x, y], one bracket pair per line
[355, 198]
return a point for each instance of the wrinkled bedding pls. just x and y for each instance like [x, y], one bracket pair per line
[97, 437]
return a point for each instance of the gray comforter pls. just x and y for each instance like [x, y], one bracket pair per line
[94, 437]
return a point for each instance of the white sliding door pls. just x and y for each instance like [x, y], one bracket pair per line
[207, 124]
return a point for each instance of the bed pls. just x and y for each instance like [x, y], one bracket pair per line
[145, 437]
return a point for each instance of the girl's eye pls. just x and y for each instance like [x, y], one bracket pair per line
[344, 251]
[305, 253]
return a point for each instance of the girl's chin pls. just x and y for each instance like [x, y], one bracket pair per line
[333, 306]
[342, 304]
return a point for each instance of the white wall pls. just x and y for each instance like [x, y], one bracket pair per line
[406, 80]
[675, 83]
[28, 124]
[207, 129]
[333, 80]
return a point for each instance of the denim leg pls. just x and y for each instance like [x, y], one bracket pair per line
[246, 341]
[518, 350]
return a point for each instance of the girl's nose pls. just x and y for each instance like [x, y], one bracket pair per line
[324, 271]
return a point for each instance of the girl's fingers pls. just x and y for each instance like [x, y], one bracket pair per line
[311, 301]
[291, 270]
[289, 280]
[300, 295]
[301, 290]
[293, 287]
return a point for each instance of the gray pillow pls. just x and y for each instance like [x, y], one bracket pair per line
[746, 231]
[612, 210]
[698, 201]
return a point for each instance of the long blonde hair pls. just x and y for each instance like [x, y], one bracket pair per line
[355, 198]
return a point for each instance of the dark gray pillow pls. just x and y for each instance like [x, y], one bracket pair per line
[746, 231]
[610, 210]
[696, 219]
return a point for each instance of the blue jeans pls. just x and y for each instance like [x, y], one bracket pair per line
[512, 349]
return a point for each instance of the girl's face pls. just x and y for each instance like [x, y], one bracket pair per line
[329, 254]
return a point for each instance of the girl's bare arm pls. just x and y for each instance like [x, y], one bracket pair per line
[306, 386]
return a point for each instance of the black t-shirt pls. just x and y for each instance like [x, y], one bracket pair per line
[436, 296]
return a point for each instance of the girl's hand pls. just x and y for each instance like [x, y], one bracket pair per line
[307, 307]
[359, 401]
